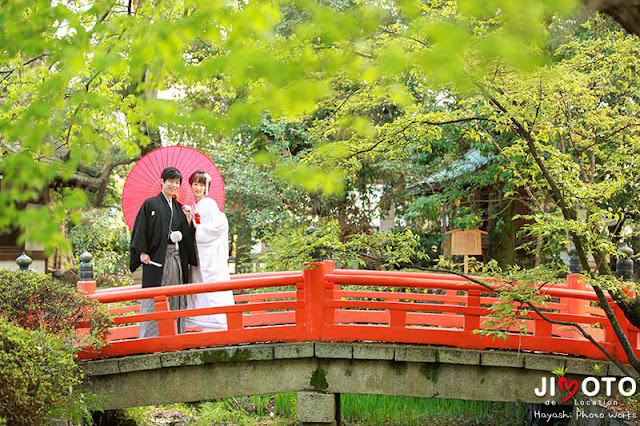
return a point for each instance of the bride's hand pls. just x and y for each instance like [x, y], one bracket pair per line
[187, 212]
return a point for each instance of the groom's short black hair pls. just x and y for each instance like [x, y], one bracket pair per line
[171, 173]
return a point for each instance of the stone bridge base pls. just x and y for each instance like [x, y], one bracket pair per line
[318, 408]
[320, 371]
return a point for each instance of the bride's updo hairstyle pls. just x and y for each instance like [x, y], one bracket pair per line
[201, 177]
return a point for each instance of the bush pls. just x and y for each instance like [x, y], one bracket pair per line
[103, 233]
[39, 317]
[38, 302]
[37, 373]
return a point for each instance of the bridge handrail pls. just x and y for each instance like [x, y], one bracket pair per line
[233, 278]
[185, 289]
[320, 309]
[397, 280]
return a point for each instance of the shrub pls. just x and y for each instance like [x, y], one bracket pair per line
[38, 302]
[39, 318]
[103, 233]
[38, 371]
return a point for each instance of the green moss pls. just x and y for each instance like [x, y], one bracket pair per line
[349, 370]
[430, 371]
[319, 379]
[400, 367]
[224, 355]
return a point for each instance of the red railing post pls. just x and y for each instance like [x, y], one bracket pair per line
[329, 294]
[314, 298]
[397, 317]
[576, 306]
[301, 313]
[235, 321]
[335, 314]
[542, 327]
[166, 327]
[472, 321]
[88, 287]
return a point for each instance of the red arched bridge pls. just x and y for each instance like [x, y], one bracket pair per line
[323, 304]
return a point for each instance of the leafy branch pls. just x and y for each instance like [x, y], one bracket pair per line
[516, 297]
[413, 122]
[570, 213]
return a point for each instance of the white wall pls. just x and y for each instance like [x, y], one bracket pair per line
[37, 265]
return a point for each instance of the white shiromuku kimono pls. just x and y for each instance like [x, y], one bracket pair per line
[212, 242]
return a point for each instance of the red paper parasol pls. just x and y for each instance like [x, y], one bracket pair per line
[144, 179]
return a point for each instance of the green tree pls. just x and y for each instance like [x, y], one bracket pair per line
[39, 341]
[79, 81]
[566, 133]
[103, 233]
[39, 302]
[288, 249]
[575, 143]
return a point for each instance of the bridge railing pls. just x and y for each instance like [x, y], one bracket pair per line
[321, 303]
[269, 314]
[450, 318]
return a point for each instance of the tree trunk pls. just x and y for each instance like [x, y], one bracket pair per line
[61, 261]
[625, 12]
[502, 236]
[243, 246]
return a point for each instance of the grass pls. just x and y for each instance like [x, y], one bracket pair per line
[219, 412]
[397, 410]
[360, 410]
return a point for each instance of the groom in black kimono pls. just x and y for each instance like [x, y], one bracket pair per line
[162, 242]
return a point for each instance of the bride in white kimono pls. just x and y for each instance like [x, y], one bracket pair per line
[212, 242]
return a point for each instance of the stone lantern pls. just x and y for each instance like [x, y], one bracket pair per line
[624, 264]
